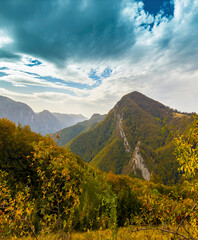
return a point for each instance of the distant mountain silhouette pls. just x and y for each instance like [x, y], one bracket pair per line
[43, 122]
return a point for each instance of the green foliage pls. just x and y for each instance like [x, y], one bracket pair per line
[187, 150]
[17, 210]
[97, 204]
[148, 155]
[63, 194]
[73, 196]
[15, 146]
[128, 205]
[59, 177]
[67, 134]
[166, 165]
[60, 189]
[141, 126]
[112, 157]
[87, 145]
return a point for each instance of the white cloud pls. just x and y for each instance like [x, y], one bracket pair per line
[4, 38]
[134, 12]
[161, 64]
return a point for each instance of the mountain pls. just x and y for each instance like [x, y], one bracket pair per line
[52, 122]
[68, 120]
[67, 134]
[48, 123]
[18, 113]
[129, 139]
[43, 122]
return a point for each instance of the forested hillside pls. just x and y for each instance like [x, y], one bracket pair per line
[129, 140]
[45, 189]
[67, 134]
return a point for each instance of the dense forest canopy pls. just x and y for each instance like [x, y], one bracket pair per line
[45, 188]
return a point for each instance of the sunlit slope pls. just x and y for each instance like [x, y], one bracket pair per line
[90, 143]
[67, 134]
[129, 139]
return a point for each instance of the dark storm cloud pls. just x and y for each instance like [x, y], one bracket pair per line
[7, 55]
[58, 30]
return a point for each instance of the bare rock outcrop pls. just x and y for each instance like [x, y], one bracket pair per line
[136, 161]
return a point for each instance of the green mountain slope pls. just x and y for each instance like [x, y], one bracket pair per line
[129, 139]
[67, 134]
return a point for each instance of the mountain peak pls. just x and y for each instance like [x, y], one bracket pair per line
[137, 96]
[135, 93]
[95, 115]
[147, 104]
[45, 112]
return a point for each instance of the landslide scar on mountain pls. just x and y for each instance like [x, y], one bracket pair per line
[122, 133]
[136, 161]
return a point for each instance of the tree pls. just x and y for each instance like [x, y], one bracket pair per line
[17, 212]
[59, 179]
[186, 152]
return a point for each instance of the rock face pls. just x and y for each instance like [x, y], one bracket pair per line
[43, 122]
[136, 161]
[121, 132]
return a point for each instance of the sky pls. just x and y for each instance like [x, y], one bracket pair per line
[82, 56]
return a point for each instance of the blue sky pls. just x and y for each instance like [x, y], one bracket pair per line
[82, 56]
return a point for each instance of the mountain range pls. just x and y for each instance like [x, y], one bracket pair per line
[43, 122]
[129, 140]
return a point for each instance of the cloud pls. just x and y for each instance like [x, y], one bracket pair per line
[162, 63]
[4, 38]
[3, 74]
[9, 56]
[25, 79]
[107, 48]
[59, 31]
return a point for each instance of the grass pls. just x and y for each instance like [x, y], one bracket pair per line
[125, 233]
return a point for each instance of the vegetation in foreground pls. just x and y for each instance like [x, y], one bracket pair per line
[48, 191]
[125, 233]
